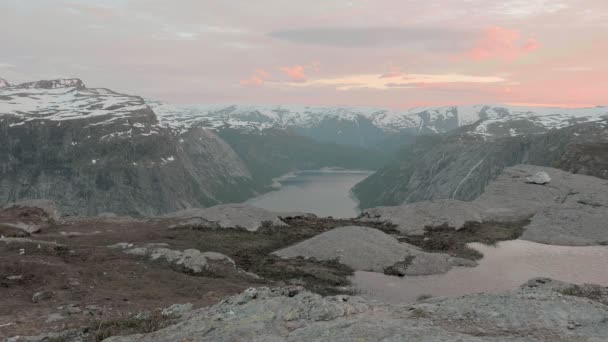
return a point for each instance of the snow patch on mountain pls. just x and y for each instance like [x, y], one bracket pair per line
[422, 119]
[65, 100]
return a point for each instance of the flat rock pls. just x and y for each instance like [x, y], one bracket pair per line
[569, 225]
[229, 216]
[530, 313]
[367, 249]
[510, 196]
[413, 218]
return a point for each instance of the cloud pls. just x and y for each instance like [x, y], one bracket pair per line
[376, 81]
[296, 73]
[392, 74]
[6, 65]
[257, 79]
[414, 37]
[99, 11]
[503, 44]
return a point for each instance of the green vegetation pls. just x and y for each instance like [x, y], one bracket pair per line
[454, 242]
[130, 324]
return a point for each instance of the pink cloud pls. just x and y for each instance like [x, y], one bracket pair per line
[257, 79]
[502, 43]
[296, 73]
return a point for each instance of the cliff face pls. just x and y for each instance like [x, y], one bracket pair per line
[94, 151]
[459, 165]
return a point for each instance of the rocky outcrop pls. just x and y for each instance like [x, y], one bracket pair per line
[568, 210]
[413, 218]
[459, 164]
[191, 261]
[541, 310]
[369, 249]
[30, 216]
[95, 151]
[227, 216]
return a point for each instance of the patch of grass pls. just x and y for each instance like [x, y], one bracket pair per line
[419, 313]
[129, 325]
[593, 292]
[448, 240]
[252, 250]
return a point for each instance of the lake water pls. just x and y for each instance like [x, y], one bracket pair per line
[504, 267]
[321, 192]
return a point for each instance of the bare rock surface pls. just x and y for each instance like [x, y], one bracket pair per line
[569, 209]
[413, 218]
[538, 311]
[368, 249]
[569, 225]
[229, 216]
[190, 261]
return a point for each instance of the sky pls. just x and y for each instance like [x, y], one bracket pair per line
[381, 53]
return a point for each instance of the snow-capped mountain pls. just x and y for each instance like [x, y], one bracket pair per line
[66, 99]
[96, 150]
[3, 83]
[490, 120]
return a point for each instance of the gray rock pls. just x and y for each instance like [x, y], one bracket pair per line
[570, 210]
[412, 218]
[569, 225]
[229, 216]
[540, 178]
[367, 249]
[42, 296]
[177, 310]
[531, 313]
[190, 261]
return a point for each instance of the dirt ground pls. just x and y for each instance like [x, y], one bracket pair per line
[84, 282]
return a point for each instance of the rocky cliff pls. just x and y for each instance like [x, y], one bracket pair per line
[459, 164]
[95, 150]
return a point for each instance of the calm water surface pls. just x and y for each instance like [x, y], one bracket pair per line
[321, 192]
[502, 268]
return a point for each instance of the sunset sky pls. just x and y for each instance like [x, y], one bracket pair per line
[385, 53]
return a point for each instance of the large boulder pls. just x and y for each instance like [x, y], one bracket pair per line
[228, 216]
[369, 249]
[531, 313]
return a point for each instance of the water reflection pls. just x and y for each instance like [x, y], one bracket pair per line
[321, 192]
[504, 267]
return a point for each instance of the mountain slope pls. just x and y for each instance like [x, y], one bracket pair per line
[459, 164]
[95, 150]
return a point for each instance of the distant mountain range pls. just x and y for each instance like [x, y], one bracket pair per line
[369, 126]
